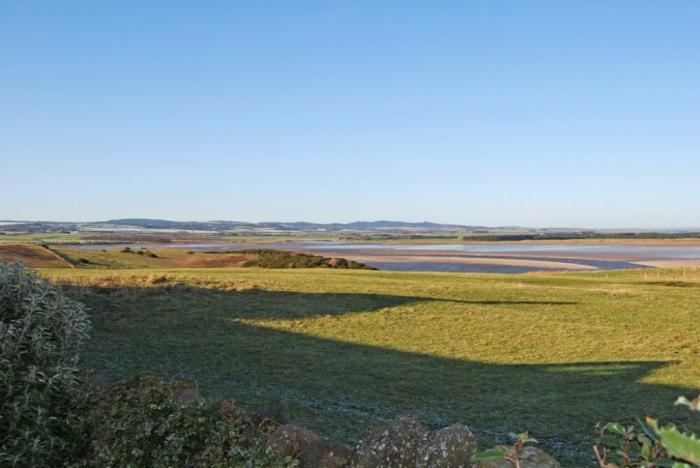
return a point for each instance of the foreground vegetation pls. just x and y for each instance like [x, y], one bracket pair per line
[51, 415]
[43, 394]
[550, 353]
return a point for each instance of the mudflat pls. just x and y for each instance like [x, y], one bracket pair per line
[565, 255]
[505, 257]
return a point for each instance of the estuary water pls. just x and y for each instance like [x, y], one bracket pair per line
[481, 257]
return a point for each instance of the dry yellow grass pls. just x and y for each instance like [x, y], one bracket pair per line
[32, 255]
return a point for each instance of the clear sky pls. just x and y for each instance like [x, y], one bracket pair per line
[536, 113]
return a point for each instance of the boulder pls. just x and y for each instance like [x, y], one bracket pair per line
[531, 457]
[395, 445]
[322, 454]
[288, 440]
[450, 447]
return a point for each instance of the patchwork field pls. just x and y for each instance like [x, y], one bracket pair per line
[550, 353]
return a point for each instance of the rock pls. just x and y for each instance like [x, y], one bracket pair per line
[395, 445]
[288, 440]
[404, 442]
[531, 457]
[322, 454]
[450, 447]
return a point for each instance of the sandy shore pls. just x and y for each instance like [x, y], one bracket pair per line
[658, 242]
[470, 261]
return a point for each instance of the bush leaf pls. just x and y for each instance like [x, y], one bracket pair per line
[488, 455]
[677, 443]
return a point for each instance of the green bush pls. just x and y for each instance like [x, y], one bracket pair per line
[267, 258]
[648, 444]
[42, 389]
[146, 422]
[49, 418]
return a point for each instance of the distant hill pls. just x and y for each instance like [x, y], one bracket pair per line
[364, 230]
[285, 226]
[180, 225]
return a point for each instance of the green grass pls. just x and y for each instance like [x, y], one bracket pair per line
[111, 257]
[548, 353]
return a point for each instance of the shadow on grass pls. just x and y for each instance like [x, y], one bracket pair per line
[261, 304]
[339, 388]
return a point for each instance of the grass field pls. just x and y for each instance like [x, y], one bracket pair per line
[549, 353]
[111, 258]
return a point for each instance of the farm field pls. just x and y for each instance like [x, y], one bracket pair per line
[552, 353]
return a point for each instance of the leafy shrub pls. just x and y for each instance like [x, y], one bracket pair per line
[146, 253]
[648, 444]
[146, 422]
[42, 390]
[629, 446]
[142, 251]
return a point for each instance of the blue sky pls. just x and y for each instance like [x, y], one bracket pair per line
[537, 113]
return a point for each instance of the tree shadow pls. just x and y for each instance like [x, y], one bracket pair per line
[261, 304]
[339, 388]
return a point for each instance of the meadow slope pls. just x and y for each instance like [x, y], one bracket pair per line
[550, 353]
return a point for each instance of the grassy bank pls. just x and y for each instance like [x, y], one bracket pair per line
[120, 258]
[549, 353]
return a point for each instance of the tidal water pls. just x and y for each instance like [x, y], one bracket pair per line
[398, 257]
